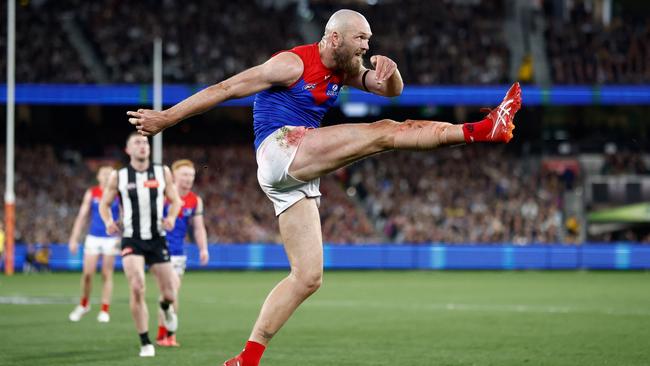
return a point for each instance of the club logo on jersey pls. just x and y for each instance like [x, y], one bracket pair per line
[309, 86]
[187, 212]
[332, 90]
[151, 183]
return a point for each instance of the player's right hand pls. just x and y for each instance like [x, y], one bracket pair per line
[73, 246]
[149, 122]
[112, 228]
[204, 257]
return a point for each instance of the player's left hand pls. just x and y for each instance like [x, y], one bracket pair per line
[204, 257]
[384, 68]
[169, 223]
[149, 122]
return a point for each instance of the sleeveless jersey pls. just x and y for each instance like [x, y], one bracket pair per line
[142, 195]
[97, 227]
[304, 103]
[176, 237]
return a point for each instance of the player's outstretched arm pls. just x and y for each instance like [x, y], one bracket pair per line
[282, 69]
[172, 195]
[384, 80]
[200, 234]
[79, 222]
[108, 197]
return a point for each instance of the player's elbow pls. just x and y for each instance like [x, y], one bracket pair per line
[395, 91]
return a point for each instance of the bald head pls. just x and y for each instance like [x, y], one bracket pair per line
[346, 20]
[346, 40]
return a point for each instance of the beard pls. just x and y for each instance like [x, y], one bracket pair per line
[347, 60]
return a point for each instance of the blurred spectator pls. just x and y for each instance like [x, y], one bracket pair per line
[437, 42]
[582, 50]
[620, 163]
[447, 42]
[476, 194]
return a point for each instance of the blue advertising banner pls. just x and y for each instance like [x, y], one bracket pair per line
[142, 94]
[403, 257]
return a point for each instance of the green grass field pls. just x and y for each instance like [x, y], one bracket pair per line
[358, 318]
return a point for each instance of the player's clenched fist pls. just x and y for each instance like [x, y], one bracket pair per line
[384, 67]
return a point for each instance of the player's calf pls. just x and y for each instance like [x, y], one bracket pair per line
[425, 135]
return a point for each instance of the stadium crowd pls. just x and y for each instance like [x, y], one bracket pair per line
[475, 194]
[435, 42]
[236, 209]
[582, 50]
[472, 194]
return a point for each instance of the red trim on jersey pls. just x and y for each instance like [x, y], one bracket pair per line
[314, 71]
[96, 192]
[190, 200]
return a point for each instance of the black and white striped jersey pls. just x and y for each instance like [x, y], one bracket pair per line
[142, 195]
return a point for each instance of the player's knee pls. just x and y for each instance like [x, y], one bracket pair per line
[386, 129]
[310, 282]
[137, 288]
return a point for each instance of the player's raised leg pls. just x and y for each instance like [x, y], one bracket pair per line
[89, 268]
[301, 233]
[326, 149]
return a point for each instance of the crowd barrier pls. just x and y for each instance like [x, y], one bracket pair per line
[398, 257]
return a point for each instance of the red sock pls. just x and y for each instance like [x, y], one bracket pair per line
[84, 302]
[477, 131]
[162, 332]
[252, 353]
[105, 307]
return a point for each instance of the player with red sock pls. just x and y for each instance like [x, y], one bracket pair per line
[191, 214]
[294, 90]
[97, 244]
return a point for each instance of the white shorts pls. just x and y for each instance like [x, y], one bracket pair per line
[179, 263]
[102, 245]
[274, 156]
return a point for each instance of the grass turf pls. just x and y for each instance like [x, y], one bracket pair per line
[358, 318]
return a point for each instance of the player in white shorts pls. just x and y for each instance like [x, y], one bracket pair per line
[294, 89]
[191, 214]
[97, 244]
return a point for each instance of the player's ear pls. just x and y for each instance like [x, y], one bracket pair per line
[335, 38]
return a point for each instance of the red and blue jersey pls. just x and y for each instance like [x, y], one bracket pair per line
[189, 209]
[97, 227]
[304, 103]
